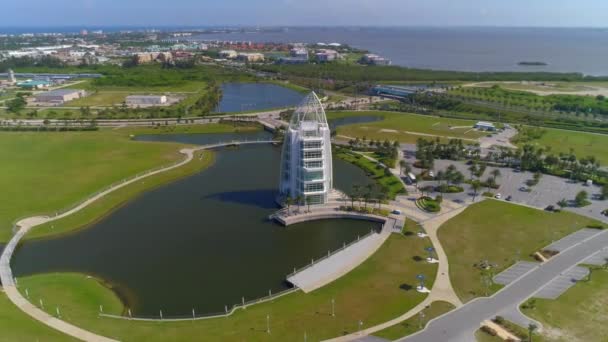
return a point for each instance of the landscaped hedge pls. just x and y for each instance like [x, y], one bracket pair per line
[428, 204]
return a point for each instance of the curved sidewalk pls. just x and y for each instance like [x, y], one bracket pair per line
[442, 287]
[25, 225]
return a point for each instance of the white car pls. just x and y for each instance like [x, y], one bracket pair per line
[431, 174]
[498, 196]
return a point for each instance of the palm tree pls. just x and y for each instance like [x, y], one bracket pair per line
[307, 199]
[475, 186]
[402, 165]
[298, 201]
[531, 328]
[289, 202]
[357, 192]
[382, 196]
[440, 177]
[495, 174]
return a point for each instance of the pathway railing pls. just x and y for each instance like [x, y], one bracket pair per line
[194, 316]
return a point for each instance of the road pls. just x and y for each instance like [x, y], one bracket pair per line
[461, 324]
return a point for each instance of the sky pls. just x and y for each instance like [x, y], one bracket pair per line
[545, 13]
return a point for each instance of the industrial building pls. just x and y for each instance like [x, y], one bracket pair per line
[326, 55]
[34, 84]
[228, 54]
[250, 57]
[306, 162]
[373, 59]
[59, 96]
[485, 126]
[145, 100]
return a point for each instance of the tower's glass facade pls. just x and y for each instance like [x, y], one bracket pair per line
[306, 165]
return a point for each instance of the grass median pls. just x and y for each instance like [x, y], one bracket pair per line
[495, 231]
[405, 127]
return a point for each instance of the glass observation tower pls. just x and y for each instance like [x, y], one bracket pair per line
[306, 164]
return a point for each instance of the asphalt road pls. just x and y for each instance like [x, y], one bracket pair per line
[461, 324]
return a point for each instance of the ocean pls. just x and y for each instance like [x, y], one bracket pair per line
[583, 50]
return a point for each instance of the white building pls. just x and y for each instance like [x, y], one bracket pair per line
[250, 57]
[306, 165]
[60, 96]
[228, 54]
[138, 100]
[485, 126]
[326, 55]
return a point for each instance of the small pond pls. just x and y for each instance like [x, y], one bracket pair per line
[201, 242]
[239, 97]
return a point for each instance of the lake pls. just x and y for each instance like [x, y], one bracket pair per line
[201, 242]
[466, 48]
[240, 97]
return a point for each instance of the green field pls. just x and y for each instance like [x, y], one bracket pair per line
[580, 314]
[405, 128]
[46, 172]
[378, 290]
[515, 227]
[389, 182]
[583, 144]
[416, 322]
[16, 326]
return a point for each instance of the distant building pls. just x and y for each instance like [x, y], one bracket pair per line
[251, 57]
[292, 60]
[373, 59]
[11, 77]
[228, 54]
[485, 126]
[34, 84]
[299, 52]
[60, 96]
[146, 100]
[326, 55]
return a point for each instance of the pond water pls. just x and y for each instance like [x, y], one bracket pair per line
[201, 242]
[239, 97]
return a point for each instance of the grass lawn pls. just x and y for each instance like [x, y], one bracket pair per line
[415, 323]
[495, 231]
[16, 326]
[45, 172]
[583, 144]
[580, 314]
[390, 182]
[406, 128]
[381, 288]
[104, 206]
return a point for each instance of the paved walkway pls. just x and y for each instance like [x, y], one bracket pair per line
[25, 225]
[339, 263]
[442, 287]
[461, 324]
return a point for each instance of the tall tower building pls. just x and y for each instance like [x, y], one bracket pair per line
[11, 77]
[306, 164]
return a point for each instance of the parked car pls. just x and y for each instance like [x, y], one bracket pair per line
[498, 196]
[525, 189]
[396, 212]
[509, 198]
[550, 208]
[431, 174]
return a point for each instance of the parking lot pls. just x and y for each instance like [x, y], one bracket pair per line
[548, 191]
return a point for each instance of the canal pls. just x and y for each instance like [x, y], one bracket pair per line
[201, 242]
